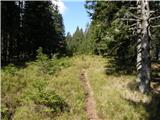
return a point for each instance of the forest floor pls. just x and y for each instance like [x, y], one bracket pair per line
[75, 88]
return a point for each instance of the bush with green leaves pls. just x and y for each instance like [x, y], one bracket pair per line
[50, 66]
[37, 93]
[10, 69]
[22, 86]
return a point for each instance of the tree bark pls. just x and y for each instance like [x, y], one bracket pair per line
[143, 46]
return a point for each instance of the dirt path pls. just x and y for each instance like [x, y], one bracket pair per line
[90, 104]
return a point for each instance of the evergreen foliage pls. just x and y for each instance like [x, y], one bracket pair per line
[35, 30]
[26, 26]
[10, 31]
[81, 42]
[112, 35]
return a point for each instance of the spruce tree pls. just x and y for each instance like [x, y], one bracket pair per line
[59, 39]
[10, 30]
[26, 26]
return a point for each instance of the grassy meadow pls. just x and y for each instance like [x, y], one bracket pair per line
[50, 89]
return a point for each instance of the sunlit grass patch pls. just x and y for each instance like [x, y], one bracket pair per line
[116, 95]
[67, 84]
[30, 92]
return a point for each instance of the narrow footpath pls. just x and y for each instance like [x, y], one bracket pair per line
[90, 103]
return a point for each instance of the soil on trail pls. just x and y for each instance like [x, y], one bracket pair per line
[90, 104]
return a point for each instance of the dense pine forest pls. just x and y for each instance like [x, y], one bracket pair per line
[108, 71]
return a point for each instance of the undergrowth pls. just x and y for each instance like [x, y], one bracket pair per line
[50, 89]
[21, 86]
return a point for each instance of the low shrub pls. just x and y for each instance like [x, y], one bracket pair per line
[41, 96]
[10, 69]
[50, 66]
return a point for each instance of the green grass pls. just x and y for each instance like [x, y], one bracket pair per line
[116, 95]
[20, 89]
[32, 92]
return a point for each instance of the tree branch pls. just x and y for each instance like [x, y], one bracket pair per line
[153, 18]
[127, 19]
[133, 28]
[132, 8]
[155, 26]
[133, 25]
[132, 15]
[152, 12]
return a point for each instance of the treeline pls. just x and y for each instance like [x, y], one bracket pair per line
[110, 33]
[28, 25]
[80, 42]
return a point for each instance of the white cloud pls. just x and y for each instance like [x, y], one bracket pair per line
[60, 4]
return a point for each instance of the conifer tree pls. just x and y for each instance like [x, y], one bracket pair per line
[10, 30]
[118, 28]
[26, 26]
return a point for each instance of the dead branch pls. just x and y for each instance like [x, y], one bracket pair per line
[155, 26]
[135, 24]
[132, 8]
[128, 19]
[133, 29]
[152, 11]
[132, 15]
[153, 18]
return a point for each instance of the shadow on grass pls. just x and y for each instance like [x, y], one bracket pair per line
[114, 68]
[17, 64]
[152, 108]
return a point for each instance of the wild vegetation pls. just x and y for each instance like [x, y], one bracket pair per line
[31, 93]
[46, 75]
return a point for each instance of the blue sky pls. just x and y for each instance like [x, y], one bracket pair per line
[74, 15]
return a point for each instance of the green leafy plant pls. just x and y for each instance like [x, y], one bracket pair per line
[52, 100]
[41, 57]
[41, 96]
[10, 69]
[50, 66]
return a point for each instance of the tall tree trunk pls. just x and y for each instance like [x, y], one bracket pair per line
[143, 46]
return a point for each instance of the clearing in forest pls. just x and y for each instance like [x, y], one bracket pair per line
[62, 89]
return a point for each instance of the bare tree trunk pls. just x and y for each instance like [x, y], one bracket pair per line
[143, 46]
